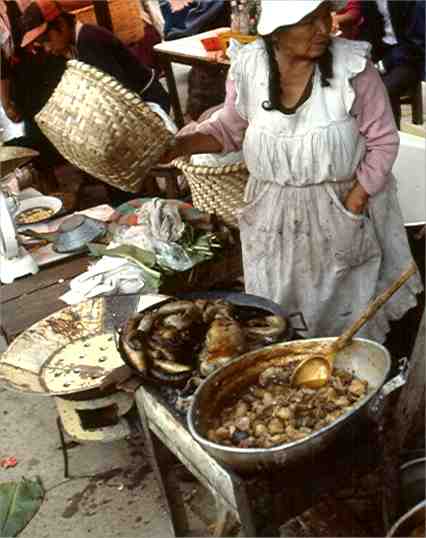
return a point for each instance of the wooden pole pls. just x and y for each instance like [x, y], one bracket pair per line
[103, 15]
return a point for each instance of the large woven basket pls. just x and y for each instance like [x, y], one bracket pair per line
[126, 17]
[103, 128]
[218, 190]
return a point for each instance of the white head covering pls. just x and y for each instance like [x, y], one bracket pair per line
[277, 13]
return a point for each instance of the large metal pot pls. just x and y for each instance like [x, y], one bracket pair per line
[366, 359]
[409, 523]
[413, 482]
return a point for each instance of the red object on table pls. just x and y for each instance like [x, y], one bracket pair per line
[211, 43]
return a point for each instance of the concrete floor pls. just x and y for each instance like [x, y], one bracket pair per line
[112, 491]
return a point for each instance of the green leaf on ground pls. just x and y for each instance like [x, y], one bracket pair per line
[19, 502]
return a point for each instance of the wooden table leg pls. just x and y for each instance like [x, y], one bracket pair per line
[226, 521]
[162, 462]
[170, 175]
[174, 96]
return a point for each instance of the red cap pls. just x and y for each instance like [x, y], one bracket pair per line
[35, 18]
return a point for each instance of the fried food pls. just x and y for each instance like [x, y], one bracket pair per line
[35, 214]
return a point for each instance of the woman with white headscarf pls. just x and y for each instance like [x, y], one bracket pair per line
[322, 231]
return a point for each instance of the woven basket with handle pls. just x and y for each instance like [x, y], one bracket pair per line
[103, 128]
[218, 190]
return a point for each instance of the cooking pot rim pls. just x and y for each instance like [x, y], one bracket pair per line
[410, 463]
[404, 517]
[241, 298]
[191, 415]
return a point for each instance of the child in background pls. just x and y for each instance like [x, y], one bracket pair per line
[347, 21]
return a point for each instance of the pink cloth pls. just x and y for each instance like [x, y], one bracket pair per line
[371, 109]
[376, 122]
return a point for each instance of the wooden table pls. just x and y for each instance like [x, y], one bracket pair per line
[32, 298]
[264, 501]
[187, 51]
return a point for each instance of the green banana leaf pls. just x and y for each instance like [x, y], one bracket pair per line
[143, 258]
[19, 502]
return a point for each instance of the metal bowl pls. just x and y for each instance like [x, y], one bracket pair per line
[74, 233]
[409, 522]
[364, 358]
[413, 482]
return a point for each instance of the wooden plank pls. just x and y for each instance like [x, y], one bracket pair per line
[187, 450]
[161, 460]
[103, 15]
[410, 410]
[21, 313]
[49, 276]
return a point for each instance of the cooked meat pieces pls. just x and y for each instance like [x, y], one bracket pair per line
[273, 412]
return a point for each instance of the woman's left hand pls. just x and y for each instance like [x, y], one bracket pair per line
[357, 199]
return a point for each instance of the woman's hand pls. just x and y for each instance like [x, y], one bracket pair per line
[190, 144]
[357, 199]
[175, 151]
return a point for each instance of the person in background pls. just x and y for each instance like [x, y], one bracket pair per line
[60, 34]
[321, 230]
[346, 22]
[396, 31]
[18, 67]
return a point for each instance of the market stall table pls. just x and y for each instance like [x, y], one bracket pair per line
[264, 501]
[31, 298]
[187, 51]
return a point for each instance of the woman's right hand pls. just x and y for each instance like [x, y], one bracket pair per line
[190, 144]
[175, 151]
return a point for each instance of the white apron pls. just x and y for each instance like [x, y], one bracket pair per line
[301, 247]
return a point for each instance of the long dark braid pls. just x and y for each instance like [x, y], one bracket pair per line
[325, 64]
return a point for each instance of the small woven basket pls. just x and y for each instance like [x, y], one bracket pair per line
[218, 190]
[103, 128]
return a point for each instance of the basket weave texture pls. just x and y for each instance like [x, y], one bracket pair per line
[126, 17]
[218, 190]
[103, 128]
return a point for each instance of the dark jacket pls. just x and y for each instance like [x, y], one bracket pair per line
[100, 48]
[33, 77]
[408, 21]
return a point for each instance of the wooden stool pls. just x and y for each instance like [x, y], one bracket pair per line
[415, 100]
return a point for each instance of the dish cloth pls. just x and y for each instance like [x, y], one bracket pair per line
[106, 277]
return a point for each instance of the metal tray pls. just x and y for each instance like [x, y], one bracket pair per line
[34, 357]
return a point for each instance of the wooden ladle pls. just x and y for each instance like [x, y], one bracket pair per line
[314, 371]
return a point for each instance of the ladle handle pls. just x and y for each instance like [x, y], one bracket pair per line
[372, 308]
